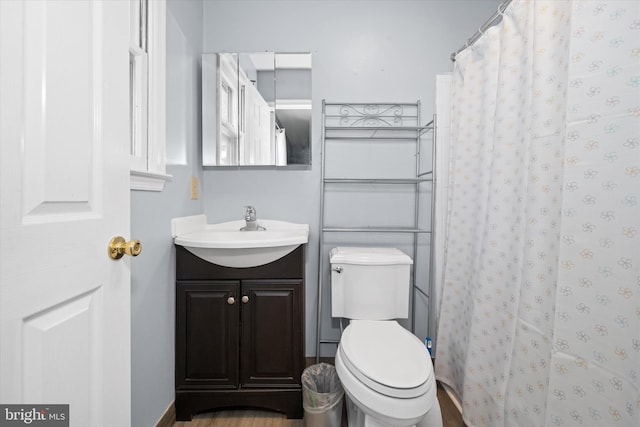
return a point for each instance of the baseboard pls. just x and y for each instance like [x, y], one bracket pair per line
[311, 360]
[169, 417]
[452, 396]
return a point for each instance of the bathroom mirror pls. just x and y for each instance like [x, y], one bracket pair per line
[256, 109]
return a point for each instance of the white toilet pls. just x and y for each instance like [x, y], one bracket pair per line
[385, 370]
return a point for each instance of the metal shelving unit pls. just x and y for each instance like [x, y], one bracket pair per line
[376, 123]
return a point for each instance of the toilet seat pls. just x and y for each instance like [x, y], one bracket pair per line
[386, 358]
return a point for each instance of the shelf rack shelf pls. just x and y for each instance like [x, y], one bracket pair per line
[375, 123]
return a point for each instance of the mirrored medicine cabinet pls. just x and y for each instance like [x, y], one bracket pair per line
[256, 109]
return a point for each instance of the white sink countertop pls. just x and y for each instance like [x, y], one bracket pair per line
[224, 243]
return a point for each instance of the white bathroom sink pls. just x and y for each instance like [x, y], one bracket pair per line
[224, 243]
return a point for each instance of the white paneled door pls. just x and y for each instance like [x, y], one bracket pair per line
[64, 304]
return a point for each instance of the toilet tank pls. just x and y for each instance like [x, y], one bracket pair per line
[369, 283]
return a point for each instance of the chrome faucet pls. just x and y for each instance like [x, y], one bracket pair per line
[251, 220]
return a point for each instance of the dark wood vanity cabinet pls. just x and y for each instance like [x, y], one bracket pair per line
[239, 335]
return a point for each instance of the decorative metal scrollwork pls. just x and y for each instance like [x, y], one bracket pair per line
[371, 115]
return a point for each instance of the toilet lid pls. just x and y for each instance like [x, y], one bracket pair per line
[386, 357]
[368, 256]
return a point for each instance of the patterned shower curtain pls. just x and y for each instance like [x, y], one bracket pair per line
[540, 310]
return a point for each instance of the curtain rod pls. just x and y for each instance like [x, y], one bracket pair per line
[488, 23]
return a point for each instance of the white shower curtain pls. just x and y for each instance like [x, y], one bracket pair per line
[540, 310]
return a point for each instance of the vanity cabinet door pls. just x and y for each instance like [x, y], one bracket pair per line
[207, 334]
[272, 333]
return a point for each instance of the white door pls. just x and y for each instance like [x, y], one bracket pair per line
[64, 304]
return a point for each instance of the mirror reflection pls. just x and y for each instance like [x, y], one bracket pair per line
[256, 109]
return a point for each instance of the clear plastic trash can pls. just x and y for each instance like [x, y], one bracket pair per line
[322, 396]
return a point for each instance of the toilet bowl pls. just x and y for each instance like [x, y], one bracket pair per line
[385, 370]
[387, 375]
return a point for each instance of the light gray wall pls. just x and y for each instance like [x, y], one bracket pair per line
[153, 271]
[386, 50]
[363, 51]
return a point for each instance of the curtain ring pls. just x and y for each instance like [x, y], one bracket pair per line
[502, 8]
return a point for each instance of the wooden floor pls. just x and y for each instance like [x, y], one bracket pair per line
[450, 415]
[249, 418]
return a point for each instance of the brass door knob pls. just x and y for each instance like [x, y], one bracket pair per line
[118, 247]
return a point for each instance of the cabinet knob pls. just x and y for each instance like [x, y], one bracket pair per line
[245, 299]
[231, 300]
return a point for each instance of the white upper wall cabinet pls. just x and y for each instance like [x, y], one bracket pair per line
[256, 109]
